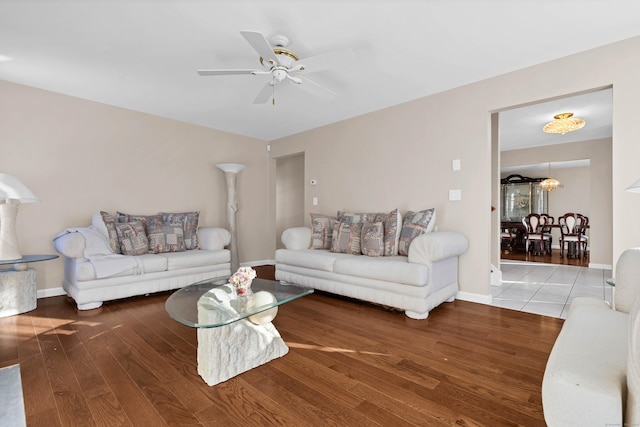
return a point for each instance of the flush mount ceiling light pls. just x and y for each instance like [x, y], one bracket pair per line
[550, 184]
[563, 123]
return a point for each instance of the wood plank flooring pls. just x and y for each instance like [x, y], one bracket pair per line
[555, 257]
[349, 364]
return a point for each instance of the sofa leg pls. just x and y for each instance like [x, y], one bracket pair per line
[89, 305]
[415, 315]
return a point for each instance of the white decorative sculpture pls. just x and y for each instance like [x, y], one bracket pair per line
[230, 172]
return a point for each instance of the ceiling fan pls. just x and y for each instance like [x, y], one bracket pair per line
[282, 65]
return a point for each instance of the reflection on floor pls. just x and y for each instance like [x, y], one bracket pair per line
[547, 289]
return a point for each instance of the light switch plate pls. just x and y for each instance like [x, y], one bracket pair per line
[455, 165]
[455, 195]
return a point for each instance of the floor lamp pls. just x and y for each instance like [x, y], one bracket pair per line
[230, 173]
[12, 193]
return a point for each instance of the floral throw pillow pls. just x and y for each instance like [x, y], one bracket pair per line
[346, 238]
[321, 231]
[132, 238]
[372, 239]
[413, 225]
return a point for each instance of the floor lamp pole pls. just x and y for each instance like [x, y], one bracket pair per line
[230, 174]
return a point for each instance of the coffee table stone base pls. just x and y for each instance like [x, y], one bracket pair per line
[230, 350]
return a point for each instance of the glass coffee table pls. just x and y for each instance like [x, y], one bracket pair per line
[235, 334]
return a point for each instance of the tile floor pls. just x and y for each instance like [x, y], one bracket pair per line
[547, 289]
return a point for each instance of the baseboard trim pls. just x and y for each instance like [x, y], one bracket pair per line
[50, 292]
[471, 297]
[600, 266]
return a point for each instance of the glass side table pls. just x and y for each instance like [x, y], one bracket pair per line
[18, 290]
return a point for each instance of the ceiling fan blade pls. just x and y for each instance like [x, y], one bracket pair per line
[335, 59]
[316, 89]
[261, 45]
[223, 72]
[265, 94]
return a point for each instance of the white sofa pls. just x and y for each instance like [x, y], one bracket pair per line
[592, 377]
[416, 283]
[93, 274]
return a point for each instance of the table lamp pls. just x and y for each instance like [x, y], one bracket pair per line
[12, 193]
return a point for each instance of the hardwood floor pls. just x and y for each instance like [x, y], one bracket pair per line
[349, 364]
[555, 257]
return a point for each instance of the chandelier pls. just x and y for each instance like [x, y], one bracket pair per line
[563, 123]
[550, 184]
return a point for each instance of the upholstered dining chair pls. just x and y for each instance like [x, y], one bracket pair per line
[538, 233]
[573, 228]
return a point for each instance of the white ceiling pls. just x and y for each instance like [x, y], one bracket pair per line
[143, 54]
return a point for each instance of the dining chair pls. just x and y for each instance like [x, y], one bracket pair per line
[573, 227]
[537, 232]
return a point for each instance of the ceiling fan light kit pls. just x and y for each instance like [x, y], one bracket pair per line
[563, 123]
[282, 65]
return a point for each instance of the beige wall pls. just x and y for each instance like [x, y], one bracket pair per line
[585, 190]
[289, 194]
[401, 156]
[79, 157]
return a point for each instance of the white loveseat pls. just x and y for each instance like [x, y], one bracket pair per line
[93, 273]
[416, 283]
[592, 377]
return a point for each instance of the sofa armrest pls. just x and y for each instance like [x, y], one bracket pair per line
[213, 238]
[435, 246]
[296, 238]
[71, 245]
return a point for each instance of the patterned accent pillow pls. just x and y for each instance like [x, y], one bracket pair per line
[372, 239]
[112, 234]
[346, 238]
[122, 217]
[190, 225]
[413, 225]
[165, 236]
[355, 218]
[133, 238]
[321, 231]
[392, 223]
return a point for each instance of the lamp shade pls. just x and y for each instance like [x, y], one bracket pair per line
[635, 187]
[12, 188]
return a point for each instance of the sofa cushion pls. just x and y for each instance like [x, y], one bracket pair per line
[586, 373]
[390, 269]
[195, 258]
[132, 238]
[414, 224]
[189, 222]
[372, 239]
[321, 230]
[84, 270]
[165, 236]
[310, 258]
[346, 238]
